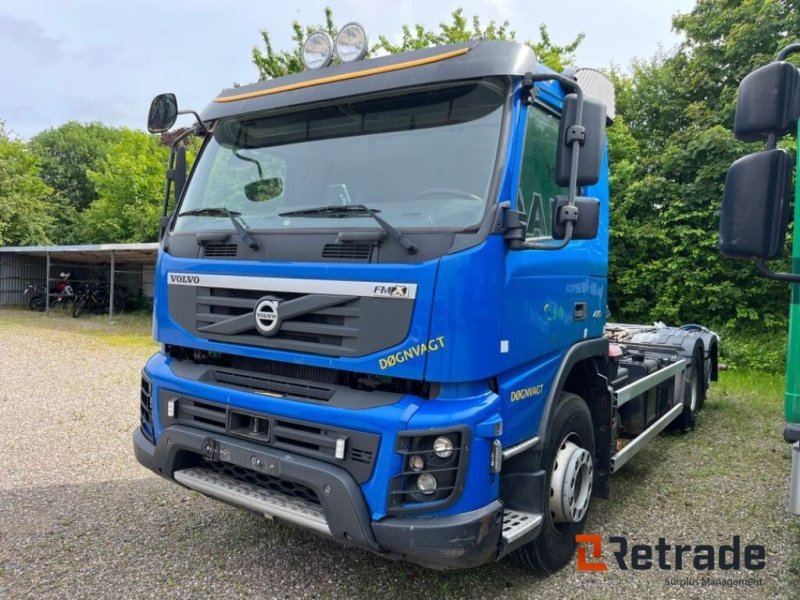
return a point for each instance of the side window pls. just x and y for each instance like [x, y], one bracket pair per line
[537, 182]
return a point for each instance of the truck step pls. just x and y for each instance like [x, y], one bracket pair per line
[253, 497]
[517, 523]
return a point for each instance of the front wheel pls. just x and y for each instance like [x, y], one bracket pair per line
[569, 456]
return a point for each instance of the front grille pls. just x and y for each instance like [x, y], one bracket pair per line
[274, 386]
[146, 409]
[275, 484]
[211, 250]
[353, 450]
[331, 327]
[283, 369]
[347, 251]
[311, 323]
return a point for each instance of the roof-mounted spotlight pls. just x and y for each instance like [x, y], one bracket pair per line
[318, 50]
[351, 43]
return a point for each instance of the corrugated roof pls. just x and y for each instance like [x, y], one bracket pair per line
[132, 253]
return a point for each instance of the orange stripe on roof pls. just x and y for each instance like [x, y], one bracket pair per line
[344, 76]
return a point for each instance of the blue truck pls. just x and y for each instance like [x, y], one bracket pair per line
[381, 304]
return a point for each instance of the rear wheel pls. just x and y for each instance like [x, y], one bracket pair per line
[569, 456]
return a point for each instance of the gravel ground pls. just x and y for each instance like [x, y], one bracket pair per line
[80, 518]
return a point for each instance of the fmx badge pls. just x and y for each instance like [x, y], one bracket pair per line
[394, 290]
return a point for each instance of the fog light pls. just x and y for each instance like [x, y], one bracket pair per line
[351, 43]
[318, 50]
[416, 462]
[426, 483]
[443, 447]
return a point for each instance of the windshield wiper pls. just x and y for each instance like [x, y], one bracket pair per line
[356, 210]
[234, 216]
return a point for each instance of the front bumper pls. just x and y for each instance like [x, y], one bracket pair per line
[449, 542]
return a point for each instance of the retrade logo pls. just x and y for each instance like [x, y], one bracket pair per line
[597, 552]
[266, 314]
[669, 557]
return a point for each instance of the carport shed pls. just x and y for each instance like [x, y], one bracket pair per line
[128, 267]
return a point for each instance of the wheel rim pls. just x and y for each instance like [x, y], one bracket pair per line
[570, 483]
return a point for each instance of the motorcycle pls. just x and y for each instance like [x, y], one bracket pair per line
[35, 295]
[60, 294]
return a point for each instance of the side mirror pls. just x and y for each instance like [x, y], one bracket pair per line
[591, 154]
[768, 102]
[163, 113]
[755, 207]
[585, 216]
[264, 189]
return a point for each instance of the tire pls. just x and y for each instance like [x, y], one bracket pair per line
[80, 305]
[570, 425]
[693, 394]
[37, 303]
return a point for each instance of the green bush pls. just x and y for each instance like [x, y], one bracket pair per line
[754, 349]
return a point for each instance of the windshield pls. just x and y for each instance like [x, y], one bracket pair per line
[422, 159]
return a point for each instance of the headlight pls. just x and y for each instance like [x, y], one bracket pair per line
[318, 50]
[443, 447]
[426, 483]
[351, 43]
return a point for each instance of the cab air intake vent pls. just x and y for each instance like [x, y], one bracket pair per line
[347, 251]
[220, 250]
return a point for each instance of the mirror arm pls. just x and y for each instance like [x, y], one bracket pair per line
[200, 124]
[764, 271]
[179, 138]
[514, 227]
[252, 160]
[562, 244]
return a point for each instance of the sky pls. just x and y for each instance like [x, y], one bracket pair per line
[96, 60]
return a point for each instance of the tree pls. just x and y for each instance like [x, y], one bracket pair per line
[25, 216]
[675, 144]
[271, 63]
[129, 181]
[66, 154]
